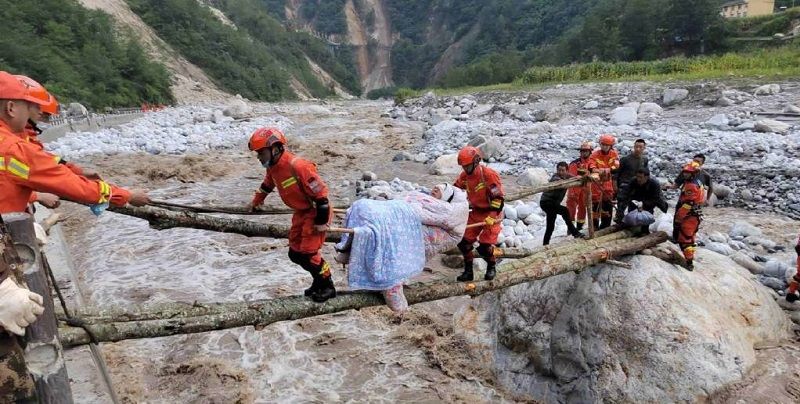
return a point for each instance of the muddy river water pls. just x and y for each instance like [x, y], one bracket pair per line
[364, 356]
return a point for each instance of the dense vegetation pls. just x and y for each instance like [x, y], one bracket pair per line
[500, 39]
[257, 60]
[75, 53]
[781, 61]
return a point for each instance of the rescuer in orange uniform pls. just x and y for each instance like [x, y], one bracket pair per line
[793, 294]
[688, 214]
[485, 195]
[302, 189]
[576, 198]
[32, 132]
[25, 167]
[606, 160]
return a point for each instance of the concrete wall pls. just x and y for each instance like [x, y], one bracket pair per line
[93, 123]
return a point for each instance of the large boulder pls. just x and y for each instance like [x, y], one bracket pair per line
[533, 177]
[650, 108]
[613, 335]
[771, 126]
[493, 147]
[624, 116]
[719, 121]
[76, 109]
[237, 109]
[673, 96]
[446, 164]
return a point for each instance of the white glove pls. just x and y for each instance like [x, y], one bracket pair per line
[18, 307]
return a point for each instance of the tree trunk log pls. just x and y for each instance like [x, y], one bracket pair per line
[260, 313]
[43, 353]
[162, 219]
[550, 186]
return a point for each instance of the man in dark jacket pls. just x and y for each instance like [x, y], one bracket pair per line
[628, 166]
[645, 190]
[551, 205]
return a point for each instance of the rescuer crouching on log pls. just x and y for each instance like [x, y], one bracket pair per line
[302, 189]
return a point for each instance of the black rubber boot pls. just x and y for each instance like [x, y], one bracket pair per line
[467, 276]
[326, 291]
[578, 226]
[490, 271]
[314, 287]
[792, 297]
[689, 265]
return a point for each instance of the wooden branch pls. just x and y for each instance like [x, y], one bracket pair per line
[230, 210]
[550, 186]
[162, 219]
[260, 313]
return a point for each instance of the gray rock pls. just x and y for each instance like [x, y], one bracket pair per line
[650, 108]
[541, 127]
[748, 263]
[455, 111]
[403, 156]
[76, 109]
[437, 118]
[746, 125]
[775, 269]
[717, 237]
[593, 104]
[744, 229]
[724, 102]
[477, 140]
[719, 248]
[772, 283]
[523, 211]
[747, 195]
[673, 96]
[446, 164]
[533, 177]
[369, 176]
[792, 109]
[768, 89]
[578, 337]
[493, 147]
[428, 100]
[771, 125]
[237, 109]
[719, 121]
[510, 213]
[624, 116]
[722, 191]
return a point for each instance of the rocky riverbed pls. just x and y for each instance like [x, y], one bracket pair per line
[504, 347]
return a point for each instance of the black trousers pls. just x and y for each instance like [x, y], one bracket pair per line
[553, 211]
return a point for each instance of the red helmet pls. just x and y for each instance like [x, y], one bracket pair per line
[266, 137]
[607, 140]
[468, 155]
[586, 146]
[692, 167]
[47, 103]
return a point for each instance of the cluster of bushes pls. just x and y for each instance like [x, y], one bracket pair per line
[76, 54]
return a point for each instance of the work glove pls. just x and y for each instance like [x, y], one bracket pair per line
[18, 307]
[490, 221]
[41, 234]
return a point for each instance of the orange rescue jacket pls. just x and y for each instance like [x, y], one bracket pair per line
[484, 188]
[25, 168]
[297, 180]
